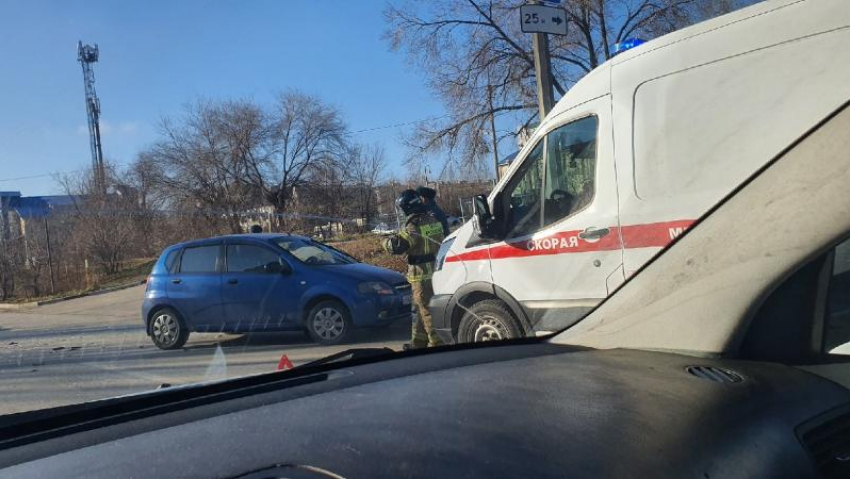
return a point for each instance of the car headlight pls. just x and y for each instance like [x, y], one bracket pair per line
[375, 287]
[444, 250]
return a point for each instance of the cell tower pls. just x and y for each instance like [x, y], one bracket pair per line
[87, 55]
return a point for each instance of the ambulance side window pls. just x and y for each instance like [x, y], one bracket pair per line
[570, 169]
[523, 193]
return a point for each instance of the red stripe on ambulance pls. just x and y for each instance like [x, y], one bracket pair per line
[654, 235]
[635, 236]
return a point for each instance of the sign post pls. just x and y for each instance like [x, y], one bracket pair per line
[543, 67]
[540, 20]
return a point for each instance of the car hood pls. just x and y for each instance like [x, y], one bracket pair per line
[366, 272]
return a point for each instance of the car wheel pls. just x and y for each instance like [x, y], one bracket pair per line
[328, 322]
[488, 320]
[168, 331]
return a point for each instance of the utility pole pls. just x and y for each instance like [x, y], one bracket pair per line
[49, 255]
[539, 20]
[543, 68]
[493, 130]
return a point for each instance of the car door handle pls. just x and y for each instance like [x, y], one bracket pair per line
[232, 281]
[177, 281]
[593, 233]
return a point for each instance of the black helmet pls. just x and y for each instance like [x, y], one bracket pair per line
[410, 203]
[427, 193]
[256, 229]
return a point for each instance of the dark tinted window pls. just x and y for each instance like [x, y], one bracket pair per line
[252, 259]
[807, 315]
[837, 333]
[199, 259]
[167, 265]
[171, 261]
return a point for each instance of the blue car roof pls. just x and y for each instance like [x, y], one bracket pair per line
[262, 236]
[248, 236]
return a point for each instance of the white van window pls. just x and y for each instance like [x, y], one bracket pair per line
[524, 193]
[570, 169]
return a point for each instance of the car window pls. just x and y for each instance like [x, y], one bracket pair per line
[524, 195]
[313, 253]
[171, 261]
[199, 259]
[570, 169]
[243, 258]
[168, 265]
[837, 320]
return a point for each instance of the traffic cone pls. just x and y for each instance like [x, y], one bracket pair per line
[284, 363]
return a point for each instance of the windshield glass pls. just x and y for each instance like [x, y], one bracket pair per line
[154, 166]
[313, 253]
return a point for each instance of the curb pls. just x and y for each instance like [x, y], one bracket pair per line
[34, 304]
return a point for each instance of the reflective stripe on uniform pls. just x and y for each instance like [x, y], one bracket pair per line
[420, 272]
[424, 234]
[429, 232]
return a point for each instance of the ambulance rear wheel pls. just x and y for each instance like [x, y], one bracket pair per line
[488, 320]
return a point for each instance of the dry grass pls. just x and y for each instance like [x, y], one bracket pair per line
[369, 249]
[133, 273]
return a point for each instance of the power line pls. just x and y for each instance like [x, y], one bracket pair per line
[386, 127]
[30, 177]
[45, 175]
[366, 130]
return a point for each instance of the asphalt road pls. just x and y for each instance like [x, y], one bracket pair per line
[95, 347]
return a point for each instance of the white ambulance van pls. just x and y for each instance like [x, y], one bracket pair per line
[632, 155]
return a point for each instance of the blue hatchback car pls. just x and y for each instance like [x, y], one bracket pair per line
[267, 282]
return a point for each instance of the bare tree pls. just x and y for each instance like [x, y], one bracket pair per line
[143, 176]
[103, 225]
[304, 135]
[11, 266]
[364, 168]
[211, 156]
[147, 201]
[471, 48]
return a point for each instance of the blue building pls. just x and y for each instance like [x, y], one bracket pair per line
[16, 210]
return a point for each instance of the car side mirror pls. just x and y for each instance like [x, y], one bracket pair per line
[483, 222]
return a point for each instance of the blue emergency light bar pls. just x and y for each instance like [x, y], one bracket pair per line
[627, 44]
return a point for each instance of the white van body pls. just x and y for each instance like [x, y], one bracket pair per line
[679, 122]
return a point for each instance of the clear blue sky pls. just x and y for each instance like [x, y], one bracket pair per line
[157, 55]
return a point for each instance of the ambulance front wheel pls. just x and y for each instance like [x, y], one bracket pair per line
[488, 320]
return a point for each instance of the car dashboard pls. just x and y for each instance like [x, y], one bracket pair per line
[520, 410]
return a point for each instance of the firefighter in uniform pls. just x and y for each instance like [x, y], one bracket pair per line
[419, 240]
